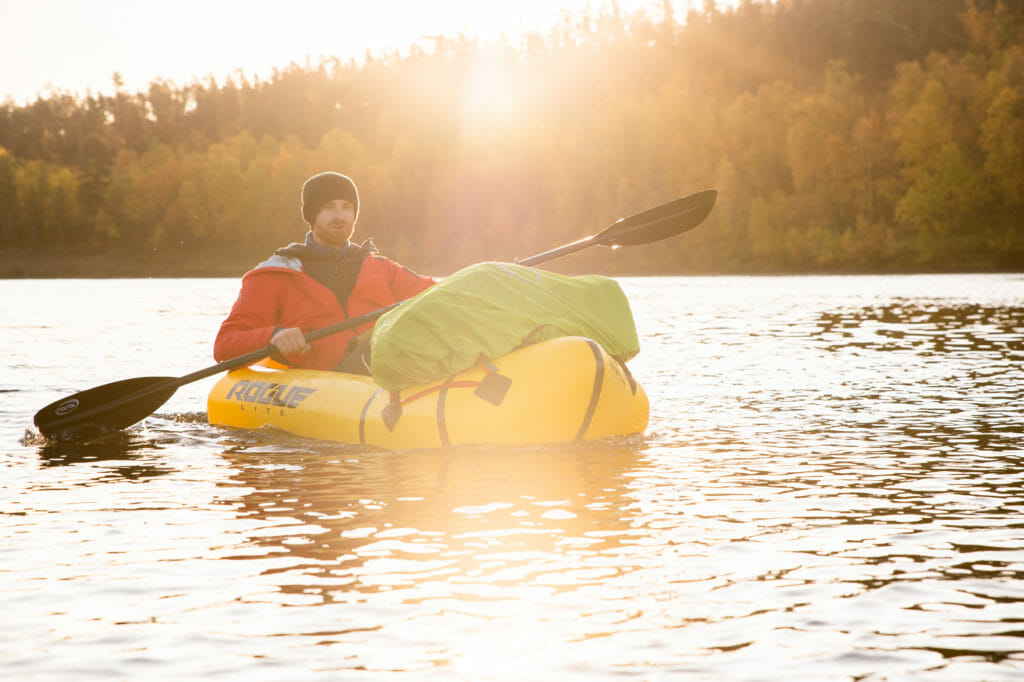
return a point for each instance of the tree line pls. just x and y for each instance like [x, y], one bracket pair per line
[842, 135]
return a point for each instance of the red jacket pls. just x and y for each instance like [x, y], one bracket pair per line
[278, 293]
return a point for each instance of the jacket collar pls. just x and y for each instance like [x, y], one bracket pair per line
[310, 243]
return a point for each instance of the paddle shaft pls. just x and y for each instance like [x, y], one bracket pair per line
[268, 350]
[626, 230]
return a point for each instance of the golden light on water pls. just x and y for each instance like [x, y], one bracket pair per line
[830, 468]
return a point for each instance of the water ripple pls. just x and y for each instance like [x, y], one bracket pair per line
[831, 488]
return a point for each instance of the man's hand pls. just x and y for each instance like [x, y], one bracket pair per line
[290, 340]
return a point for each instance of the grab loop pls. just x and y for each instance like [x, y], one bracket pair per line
[392, 412]
[493, 386]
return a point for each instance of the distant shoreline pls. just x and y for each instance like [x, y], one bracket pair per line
[23, 264]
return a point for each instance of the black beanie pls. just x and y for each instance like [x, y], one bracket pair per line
[324, 187]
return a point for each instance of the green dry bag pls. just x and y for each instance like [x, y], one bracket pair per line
[490, 309]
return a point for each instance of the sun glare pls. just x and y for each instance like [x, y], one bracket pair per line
[268, 35]
[490, 97]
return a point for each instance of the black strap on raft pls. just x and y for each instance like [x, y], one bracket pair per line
[442, 421]
[595, 392]
[362, 416]
[492, 388]
[629, 375]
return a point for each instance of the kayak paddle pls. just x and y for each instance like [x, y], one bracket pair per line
[654, 224]
[120, 404]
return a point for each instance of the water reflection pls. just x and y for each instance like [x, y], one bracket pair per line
[345, 521]
[927, 329]
[832, 487]
[931, 377]
[133, 454]
[871, 549]
[127, 454]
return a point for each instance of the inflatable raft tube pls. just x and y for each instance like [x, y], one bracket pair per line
[558, 391]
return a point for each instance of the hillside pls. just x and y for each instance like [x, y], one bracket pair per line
[842, 135]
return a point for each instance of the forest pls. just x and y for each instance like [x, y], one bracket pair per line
[843, 136]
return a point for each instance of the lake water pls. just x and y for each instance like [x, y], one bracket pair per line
[831, 488]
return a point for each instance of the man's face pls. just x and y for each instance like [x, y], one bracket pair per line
[332, 226]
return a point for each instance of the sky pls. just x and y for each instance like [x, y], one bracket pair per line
[75, 46]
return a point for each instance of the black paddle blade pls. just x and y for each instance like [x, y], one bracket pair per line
[104, 409]
[660, 222]
[654, 224]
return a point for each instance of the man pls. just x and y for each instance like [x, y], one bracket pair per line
[315, 284]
